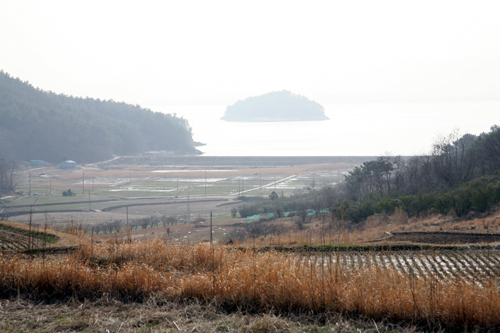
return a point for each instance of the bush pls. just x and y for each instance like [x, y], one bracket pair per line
[247, 210]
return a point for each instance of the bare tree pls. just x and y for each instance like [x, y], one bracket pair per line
[117, 225]
[234, 211]
[450, 159]
[144, 222]
[7, 176]
[164, 220]
[303, 214]
[487, 149]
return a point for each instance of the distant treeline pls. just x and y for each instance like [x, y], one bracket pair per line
[461, 177]
[36, 124]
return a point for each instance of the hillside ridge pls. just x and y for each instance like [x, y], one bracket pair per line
[42, 125]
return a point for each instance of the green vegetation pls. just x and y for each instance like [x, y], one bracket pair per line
[461, 177]
[275, 106]
[473, 197]
[43, 125]
[224, 217]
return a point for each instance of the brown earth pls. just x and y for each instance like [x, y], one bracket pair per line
[443, 238]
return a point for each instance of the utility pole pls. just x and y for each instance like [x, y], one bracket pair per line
[188, 209]
[83, 182]
[1, 177]
[205, 182]
[29, 180]
[211, 236]
[127, 214]
[177, 188]
[89, 200]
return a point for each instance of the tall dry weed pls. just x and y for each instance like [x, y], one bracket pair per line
[250, 279]
[399, 216]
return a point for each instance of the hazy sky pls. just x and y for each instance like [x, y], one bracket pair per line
[216, 52]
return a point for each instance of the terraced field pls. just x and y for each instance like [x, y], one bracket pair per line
[471, 266]
[14, 241]
[19, 237]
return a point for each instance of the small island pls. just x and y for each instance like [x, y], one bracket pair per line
[275, 106]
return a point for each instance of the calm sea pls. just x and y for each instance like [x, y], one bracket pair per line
[353, 129]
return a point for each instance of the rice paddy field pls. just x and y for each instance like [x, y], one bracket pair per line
[174, 181]
[106, 193]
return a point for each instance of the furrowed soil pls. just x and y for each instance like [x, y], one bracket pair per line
[15, 237]
[443, 238]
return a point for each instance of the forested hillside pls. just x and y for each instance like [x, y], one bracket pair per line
[461, 177]
[36, 124]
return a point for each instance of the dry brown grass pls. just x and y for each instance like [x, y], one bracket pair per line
[109, 315]
[249, 280]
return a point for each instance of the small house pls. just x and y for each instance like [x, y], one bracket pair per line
[68, 164]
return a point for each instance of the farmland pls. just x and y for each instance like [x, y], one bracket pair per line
[288, 285]
[391, 273]
[104, 190]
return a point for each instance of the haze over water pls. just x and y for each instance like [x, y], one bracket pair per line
[177, 56]
[354, 129]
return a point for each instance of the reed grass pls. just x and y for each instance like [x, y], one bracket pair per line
[250, 280]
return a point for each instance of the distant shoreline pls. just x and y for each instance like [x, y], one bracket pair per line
[250, 161]
[270, 120]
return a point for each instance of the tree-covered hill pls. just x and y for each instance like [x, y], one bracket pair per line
[275, 106]
[461, 177]
[36, 124]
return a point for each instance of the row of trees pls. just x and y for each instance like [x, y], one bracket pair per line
[299, 203]
[143, 223]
